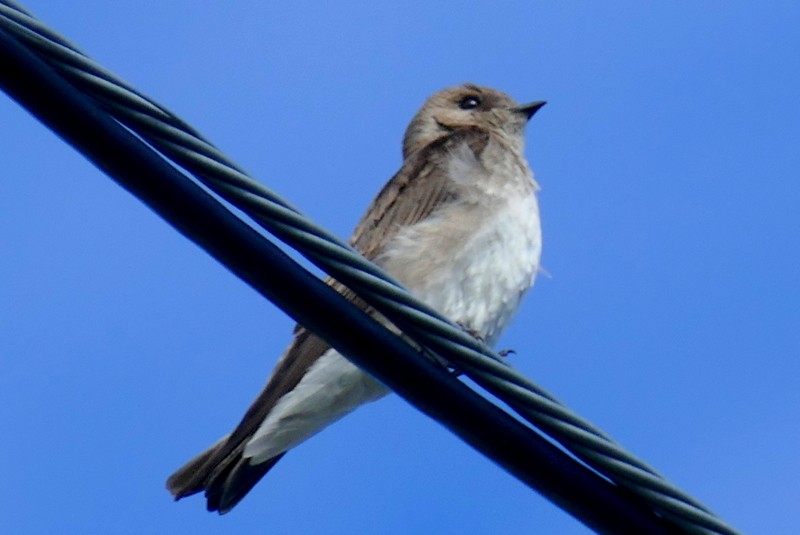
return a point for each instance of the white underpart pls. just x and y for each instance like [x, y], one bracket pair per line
[472, 262]
[331, 388]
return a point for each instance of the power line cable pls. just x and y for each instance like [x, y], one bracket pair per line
[186, 147]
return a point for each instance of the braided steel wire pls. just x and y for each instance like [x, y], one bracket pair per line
[190, 150]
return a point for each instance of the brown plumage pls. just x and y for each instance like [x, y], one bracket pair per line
[419, 190]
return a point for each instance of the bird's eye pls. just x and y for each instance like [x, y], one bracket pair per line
[469, 103]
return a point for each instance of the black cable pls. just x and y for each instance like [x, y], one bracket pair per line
[184, 146]
[590, 498]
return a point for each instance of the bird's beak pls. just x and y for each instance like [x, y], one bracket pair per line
[529, 109]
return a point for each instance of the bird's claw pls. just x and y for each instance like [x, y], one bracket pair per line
[472, 332]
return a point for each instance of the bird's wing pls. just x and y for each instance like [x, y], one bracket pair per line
[421, 185]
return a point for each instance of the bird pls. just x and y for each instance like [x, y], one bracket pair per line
[458, 226]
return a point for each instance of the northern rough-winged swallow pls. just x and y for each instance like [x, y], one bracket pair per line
[458, 225]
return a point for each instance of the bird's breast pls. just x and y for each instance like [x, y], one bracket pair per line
[471, 261]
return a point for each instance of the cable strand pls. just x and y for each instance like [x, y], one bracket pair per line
[188, 149]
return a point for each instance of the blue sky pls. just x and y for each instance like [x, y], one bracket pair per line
[668, 157]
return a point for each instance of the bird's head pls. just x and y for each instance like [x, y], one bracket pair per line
[467, 105]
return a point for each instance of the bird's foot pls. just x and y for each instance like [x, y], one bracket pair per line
[472, 332]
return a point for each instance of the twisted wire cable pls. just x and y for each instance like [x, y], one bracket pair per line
[186, 147]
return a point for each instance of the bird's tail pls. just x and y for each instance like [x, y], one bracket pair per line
[225, 476]
[191, 478]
